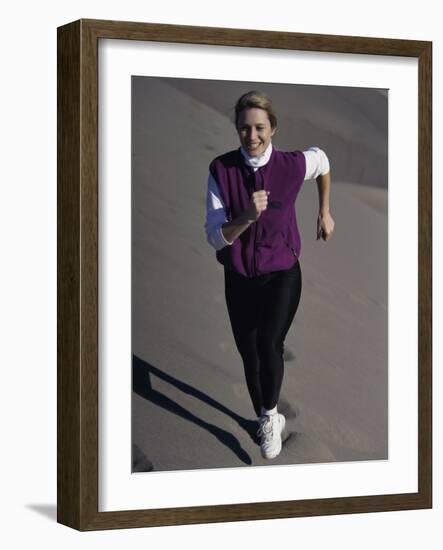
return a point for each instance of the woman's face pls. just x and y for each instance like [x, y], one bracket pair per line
[254, 130]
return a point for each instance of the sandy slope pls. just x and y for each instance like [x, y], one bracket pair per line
[190, 406]
[349, 123]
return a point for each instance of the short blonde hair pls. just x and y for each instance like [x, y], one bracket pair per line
[258, 100]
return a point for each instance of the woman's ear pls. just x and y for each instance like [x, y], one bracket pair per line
[273, 131]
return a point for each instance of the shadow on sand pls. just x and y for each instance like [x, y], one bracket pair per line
[141, 384]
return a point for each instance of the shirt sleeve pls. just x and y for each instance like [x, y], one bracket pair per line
[215, 216]
[317, 163]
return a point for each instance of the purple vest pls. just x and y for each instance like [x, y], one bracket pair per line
[273, 242]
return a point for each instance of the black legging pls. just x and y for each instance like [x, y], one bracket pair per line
[261, 310]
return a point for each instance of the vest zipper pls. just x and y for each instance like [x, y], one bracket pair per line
[254, 250]
[255, 233]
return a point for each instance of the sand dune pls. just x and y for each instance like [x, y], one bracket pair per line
[190, 405]
[349, 123]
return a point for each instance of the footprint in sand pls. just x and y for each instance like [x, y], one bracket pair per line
[364, 300]
[290, 410]
[140, 462]
[305, 450]
[288, 355]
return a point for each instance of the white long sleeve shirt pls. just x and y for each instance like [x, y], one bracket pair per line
[317, 164]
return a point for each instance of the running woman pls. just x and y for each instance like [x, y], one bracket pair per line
[251, 223]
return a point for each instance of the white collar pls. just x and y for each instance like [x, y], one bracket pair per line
[261, 160]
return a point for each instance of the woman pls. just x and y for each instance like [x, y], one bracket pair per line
[252, 225]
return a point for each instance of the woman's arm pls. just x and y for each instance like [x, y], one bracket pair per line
[325, 222]
[215, 216]
[219, 231]
[233, 229]
[317, 167]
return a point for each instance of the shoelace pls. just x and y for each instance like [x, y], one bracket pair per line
[266, 428]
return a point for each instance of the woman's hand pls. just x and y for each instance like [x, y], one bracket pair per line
[325, 226]
[258, 204]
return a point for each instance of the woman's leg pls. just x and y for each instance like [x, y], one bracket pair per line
[243, 309]
[281, 297]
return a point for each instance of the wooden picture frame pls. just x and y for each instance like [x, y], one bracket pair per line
[77, 279]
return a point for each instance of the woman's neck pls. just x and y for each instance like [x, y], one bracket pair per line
[260, 160]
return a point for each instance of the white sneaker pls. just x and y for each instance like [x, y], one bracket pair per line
[270, 433]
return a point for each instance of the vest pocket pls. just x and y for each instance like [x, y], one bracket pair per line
[288, 244]
[292, 249]
[274, 253]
